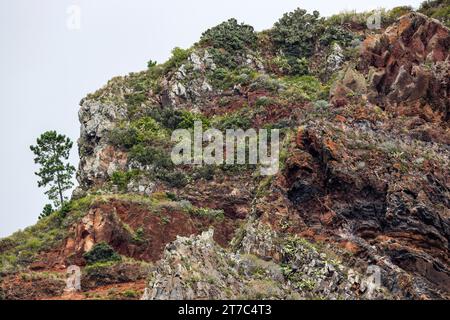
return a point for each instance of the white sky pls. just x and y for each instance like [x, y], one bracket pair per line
[45, 68]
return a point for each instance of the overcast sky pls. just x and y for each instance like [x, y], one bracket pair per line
[46, 68]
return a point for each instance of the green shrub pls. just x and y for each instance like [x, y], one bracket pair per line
[99, 270]
[264, 101]
[148, 130]
[231, 36]
[131, 294]
[218, 214]
[168, 117]
[173, 179]
[321, 105]
[135, 99]
[48, 210]
[205, 172]
[397, 12]
[305, 88]
[224, 78]
[437, 9]
[179, 56]
[123, 137]
[291, 65]
[101, 253]
[232, 121]
[148, 155]
[297, 33]
[265, 82]
[229, 41]
[121, 179]
[65, 209]
[151, 64]
[188, 120]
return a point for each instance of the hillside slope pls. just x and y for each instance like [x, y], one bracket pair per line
[360, 208]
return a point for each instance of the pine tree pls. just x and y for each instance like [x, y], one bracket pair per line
[52, 151]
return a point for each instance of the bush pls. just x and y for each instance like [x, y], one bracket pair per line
[148, 155]
[123, 137]
[305, 88]
[297, 33]
[101, 253]
[229, 40]
[143, 130]
[122, 179]
[173, 179]
[151, 64]
[48, 210]
[179, 56]
[232, 121]
[65, 209]
[397, 12]
[265, 82]
[147, 130]
[168, 117]
[437, 9]
[231, 36]
[291, 65]
[99, 270]
[264, 101]
[188, 120]
[205, 172]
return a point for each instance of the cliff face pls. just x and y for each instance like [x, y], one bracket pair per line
[359, 209]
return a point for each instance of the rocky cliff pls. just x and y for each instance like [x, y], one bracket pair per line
[360, 208]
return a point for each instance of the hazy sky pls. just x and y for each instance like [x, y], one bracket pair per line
[46, 68]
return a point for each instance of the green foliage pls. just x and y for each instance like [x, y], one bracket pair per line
[148, 155]
[131, 294]
[142, 130]
[297, 33]
[265, 82]
[135, 100]
[173, 179]
[121, 179]
[205, 172]
[123, 137]
[65, 209]
[291, 65]
[148, 130]
[139, 236]
[22, 248]
[101, 253]
[264, 101]
[52, 152]
[321, 105]
[229, 40]
[178, 119]
[226, 78]
[179, 56]
[215, 214]
[188, 120]
[359, 19]
[168, 117]
[48, 210]
[230, 36]
[397, 12]
[232, 121]
[151, 64]
[99, 270]
[437, 9]
[304, 88]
